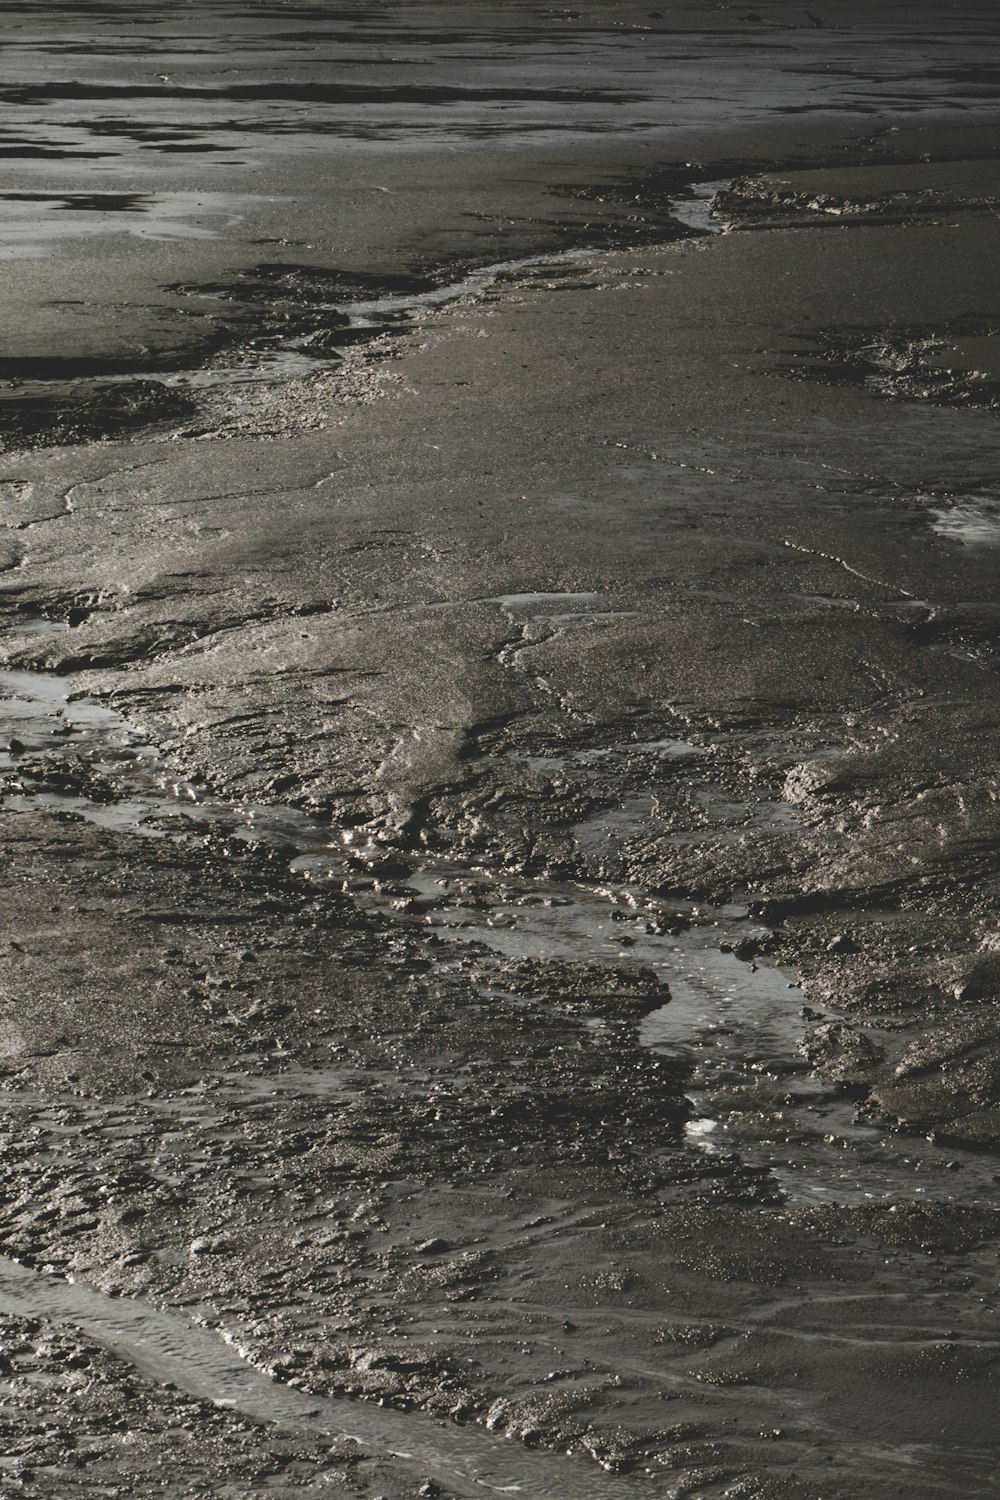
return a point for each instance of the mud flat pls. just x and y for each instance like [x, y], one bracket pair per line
[500, 966]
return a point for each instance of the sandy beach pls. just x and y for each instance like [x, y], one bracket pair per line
[499, 710]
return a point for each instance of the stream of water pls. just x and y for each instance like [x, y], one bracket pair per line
[173, 1350]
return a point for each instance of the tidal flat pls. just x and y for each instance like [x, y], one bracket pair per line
[499, 794]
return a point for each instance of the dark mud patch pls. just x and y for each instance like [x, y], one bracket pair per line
[269, 312]
[163, 137]
[307, 93]
[93, 203]
[23, 148]
[762, 202]
[277, 305]
[289, 283]
[120, 409]
[956, 365]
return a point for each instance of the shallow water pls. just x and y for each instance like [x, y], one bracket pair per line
[695, 208]
[170, 1348]
[97, 112]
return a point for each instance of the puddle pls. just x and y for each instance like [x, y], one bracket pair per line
[974, 522]
[669, 749]
[306, 93]
[539, 606]
[558, 609]
[32, 222]
[170, 1349]
[694, 208]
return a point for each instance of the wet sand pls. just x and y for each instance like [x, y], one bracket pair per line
[499, 976]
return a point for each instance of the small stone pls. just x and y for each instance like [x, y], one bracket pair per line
[432, 1247]
[841, 943]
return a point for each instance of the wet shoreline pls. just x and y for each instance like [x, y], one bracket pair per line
[497, 779]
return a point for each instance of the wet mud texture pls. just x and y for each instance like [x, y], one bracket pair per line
[500, 965]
